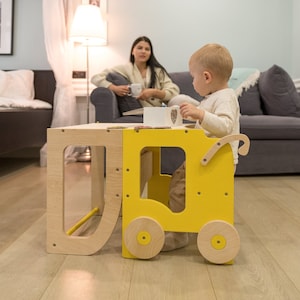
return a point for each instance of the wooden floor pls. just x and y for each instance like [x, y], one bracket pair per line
[267, 267]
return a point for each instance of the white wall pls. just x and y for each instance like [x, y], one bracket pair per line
[28, 49]
[258, 33]
[295, 70]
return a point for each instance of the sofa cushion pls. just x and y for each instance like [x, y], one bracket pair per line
[244, 82]
[129, 119]
[278, 92]
[250, 101]
[267, 127]
[125, 103]
[184, 81]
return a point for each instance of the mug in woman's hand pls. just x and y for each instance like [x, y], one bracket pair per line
[135, 89]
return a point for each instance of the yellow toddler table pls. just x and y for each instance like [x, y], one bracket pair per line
[209, 203]
[133, 177]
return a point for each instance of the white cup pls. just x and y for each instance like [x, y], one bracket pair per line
[135, 89]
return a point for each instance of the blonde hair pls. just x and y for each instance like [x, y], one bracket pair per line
[215, 58]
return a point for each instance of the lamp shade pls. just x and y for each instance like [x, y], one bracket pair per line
[88, 26]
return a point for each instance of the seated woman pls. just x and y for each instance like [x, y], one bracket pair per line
[143, 68]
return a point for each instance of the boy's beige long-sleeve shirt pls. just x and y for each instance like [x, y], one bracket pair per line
[222, 116]
[133, 75]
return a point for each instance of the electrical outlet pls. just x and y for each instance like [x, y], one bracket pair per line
[79, 74]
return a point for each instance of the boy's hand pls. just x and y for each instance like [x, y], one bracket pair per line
[190, 111]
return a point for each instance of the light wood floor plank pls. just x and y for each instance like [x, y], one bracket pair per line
[254, 275]
[23, 201]
[267, 267]
[103, 276]
[26, 268]
[276, 228]
[181, 275]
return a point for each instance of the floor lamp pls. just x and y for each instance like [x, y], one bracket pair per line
[88, 29]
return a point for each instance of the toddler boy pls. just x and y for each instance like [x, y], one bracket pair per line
[217, 114]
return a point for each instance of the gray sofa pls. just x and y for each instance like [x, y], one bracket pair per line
[270, 117]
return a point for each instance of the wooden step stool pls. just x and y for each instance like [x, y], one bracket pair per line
[133, 178]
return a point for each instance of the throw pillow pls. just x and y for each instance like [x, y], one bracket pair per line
[250, 101]
[245, 83]
[2, 81]
[17, 84]
[125, 103]
[242, 79]
[278, 92]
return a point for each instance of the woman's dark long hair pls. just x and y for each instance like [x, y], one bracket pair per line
[152, 61]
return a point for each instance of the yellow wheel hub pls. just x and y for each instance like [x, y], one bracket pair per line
[143, 238]
[218, 242]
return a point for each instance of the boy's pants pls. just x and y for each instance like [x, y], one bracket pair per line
[177, 190]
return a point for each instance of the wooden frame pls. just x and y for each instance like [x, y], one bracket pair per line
[108, 191]
[6, 26]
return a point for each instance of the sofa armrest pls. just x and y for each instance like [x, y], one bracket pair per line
[106, 105]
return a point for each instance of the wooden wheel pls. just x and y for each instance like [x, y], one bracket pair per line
[144, 237]
[218, 242]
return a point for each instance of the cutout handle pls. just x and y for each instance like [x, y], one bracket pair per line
[243, 149]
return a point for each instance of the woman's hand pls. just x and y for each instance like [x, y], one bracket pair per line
[151, 93]
[120, 90]
[145, 94]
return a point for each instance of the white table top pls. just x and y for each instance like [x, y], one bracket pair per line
[116, 126]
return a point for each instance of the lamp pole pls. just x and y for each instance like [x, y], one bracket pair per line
[85, 156]
[88, 28]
